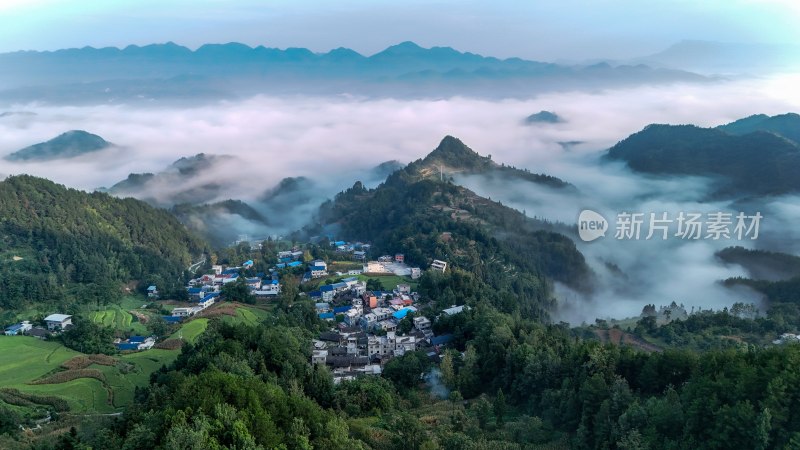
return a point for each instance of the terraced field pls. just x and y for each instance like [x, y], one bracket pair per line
[25, 359]
[119, 319]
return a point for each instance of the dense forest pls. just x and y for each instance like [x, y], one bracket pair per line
[756, 163]
[61, 245]
[511, 383]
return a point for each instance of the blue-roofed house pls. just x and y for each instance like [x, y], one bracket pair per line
[293, 264]
[322, 307]
[281, 266]
[327, 316]
[152, 292]
[442, 340]
[254, 282]
[338, 243]
[230, 271]
[137, 343]
[342, 309]
[172, 319]
[328, 292]
[399, 315]
[195, 292]
[208, 300]
[340, 287]
[315, 294]
[248, 264]
[318, 271]
[19, 328]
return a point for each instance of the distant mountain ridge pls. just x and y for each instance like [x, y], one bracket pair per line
[758, 162]
[178, 183]
[406, 69]
[66, 145]
[712, 56]
[786, 125]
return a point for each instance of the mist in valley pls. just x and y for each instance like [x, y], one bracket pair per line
[327, 143]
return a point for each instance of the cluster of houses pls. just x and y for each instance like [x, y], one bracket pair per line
[350, 351]
[357, 251]
[204, 291]
[366, 335]
[54, 323]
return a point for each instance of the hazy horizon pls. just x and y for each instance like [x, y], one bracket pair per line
[548, 31]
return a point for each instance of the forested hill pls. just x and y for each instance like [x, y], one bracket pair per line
[490, 244]
[453, 157]
[756, 163]
[63, 244]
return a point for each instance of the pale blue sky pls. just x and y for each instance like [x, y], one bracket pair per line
[546, 30]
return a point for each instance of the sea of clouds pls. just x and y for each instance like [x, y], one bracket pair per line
[335, 141]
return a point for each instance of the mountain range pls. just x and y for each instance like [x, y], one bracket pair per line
[213, 71]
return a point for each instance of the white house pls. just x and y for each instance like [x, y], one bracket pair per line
[319, 356]
[318, 271]
[58, 321]
[382, 313]
[375, 267]
[368, 320]
[387, 325]
[441, 266]
[181, 312]
[453, 310]
[415, 273]
[351, 316]
[422, 323]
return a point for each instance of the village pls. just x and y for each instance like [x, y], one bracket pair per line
[368, 327]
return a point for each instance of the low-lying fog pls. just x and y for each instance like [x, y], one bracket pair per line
[335, 141]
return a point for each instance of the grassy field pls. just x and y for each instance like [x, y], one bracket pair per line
[248, 316]
[191, 330]
[24, 359]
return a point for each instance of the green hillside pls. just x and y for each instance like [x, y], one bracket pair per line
[507, 258]
[785, 125]
[60, 245]
[758, 163]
